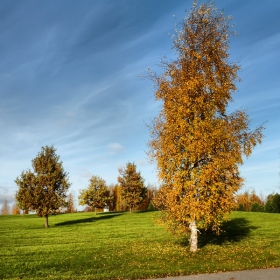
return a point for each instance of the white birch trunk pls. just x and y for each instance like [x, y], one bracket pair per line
[193, 238]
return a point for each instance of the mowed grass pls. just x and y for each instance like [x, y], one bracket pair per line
[130, 246]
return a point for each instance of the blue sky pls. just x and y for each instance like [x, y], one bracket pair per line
[69, 77]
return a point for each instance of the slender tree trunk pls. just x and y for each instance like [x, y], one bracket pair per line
[46, 221]
[193, 238]
[95, 211]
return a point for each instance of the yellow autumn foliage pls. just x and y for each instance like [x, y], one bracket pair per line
[197, 144]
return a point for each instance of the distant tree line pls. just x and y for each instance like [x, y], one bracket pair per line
[7, 210]
[45, 190]
[250, 201]
[129, 194]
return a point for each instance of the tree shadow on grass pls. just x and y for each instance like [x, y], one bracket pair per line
[232, 231]
[144, 211]
[95, 218]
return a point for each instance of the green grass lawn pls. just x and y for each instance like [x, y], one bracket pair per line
[130, 246]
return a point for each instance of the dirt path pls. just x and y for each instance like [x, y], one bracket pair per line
[257, 274]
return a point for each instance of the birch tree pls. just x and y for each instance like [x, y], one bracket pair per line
[197, 144]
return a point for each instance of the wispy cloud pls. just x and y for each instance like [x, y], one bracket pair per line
[71, 79]
[142, 162]
[115, 147]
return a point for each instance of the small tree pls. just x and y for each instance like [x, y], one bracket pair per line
[257, 207]
[273, 203]
[70, 204]
[118, 202]
[5, 210]
[147, 201]
[196, 143]
[243, 199]
[43, 190]
[132, 186]
[268, 208]
[247, 199]
[276, 203]
[241, 207]
[15, 209]
[97, 195]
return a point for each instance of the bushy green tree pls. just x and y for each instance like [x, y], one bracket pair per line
[241, 207]
[256, 207]
[276, 203]
[132, 186]
[151, 206]
[97, 195]
[273, 203]
[268, 206]
[45, 189]
[147, 201]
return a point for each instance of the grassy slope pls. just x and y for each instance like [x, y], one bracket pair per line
[122, 246]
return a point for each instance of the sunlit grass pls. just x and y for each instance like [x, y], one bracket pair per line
[125, 246]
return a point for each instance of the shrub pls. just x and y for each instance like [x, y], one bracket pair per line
[276, 203]
[256, 207]
[268, 206]
[241, 207]
[151, 207]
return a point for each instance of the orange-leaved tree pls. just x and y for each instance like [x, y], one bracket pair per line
[197, 144]
[118, 202]
[245, 200]
[15, 209]
[5, 210]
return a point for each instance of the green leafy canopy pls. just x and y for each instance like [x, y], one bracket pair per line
[45, 189]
